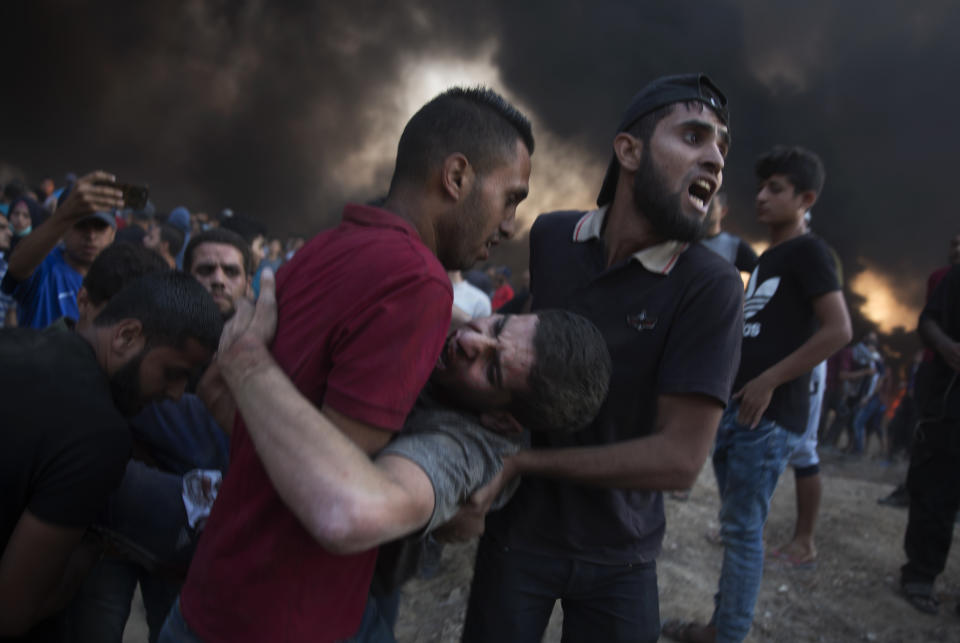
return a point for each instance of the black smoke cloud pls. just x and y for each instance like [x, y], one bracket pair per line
[254, 105]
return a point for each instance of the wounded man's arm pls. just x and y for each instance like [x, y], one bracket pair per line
[456, 453]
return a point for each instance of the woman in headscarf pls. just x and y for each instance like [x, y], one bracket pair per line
[25, 213]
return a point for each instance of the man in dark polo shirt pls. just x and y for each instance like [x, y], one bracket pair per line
[363, 314]
[586, 524]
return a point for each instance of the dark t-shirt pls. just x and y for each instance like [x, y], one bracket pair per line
[778, 318]
[673, 333]
[941, 394]
[64, 444]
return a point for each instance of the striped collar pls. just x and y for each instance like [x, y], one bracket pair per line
[660, 258]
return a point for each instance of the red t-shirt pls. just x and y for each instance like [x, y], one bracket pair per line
[363, 313]
[501, 295]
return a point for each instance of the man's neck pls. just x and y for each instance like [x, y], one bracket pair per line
[92, 336]
[712, 232]
[786, 231]
[625, 232]
[81, 268]
[414, 212]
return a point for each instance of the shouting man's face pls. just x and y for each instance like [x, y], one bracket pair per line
[680, 171]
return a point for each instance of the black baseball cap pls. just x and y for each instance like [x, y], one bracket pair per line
[106, 217]
[661, 92]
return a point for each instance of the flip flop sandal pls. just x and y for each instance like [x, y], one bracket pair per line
[920, 595]
[790, 561]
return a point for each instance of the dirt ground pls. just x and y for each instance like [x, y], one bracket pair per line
[851, 595]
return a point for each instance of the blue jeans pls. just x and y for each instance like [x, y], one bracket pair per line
[865, 415]
[513, 594]
[379, 617]
[748, 464]
[175, 628]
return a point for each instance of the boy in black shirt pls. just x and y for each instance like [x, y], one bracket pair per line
[794, 318]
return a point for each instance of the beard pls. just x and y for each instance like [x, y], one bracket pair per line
[663, 209]
[461, 237]
[125, 387]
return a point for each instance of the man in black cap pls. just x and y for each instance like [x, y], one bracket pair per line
[587, 521]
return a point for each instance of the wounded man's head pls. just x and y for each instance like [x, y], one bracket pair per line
[549, 370]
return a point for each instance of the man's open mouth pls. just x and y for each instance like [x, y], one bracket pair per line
[700, 191]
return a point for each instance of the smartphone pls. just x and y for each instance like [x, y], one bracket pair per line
[134, 196]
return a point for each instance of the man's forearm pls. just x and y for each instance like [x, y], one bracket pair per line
[643, 463]
[33, 248]
[331, 485]
[669, 459]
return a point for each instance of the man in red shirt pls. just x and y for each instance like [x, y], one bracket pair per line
[363, 313]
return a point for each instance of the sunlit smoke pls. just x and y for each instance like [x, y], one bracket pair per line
[562, 177]
[881, 305]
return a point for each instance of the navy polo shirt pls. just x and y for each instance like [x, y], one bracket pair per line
[672, 316]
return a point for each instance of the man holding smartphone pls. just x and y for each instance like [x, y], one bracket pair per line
[43, 277]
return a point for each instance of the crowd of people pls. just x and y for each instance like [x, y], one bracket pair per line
[270, 438]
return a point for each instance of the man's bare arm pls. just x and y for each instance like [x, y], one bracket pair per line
[671, 458]
[318, 461]
[834, 333]
[41, 568]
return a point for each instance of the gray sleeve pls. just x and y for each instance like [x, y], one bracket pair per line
[457, 457]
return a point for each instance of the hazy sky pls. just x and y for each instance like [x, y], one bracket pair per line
[284, 110]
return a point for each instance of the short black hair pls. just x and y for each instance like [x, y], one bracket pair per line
[173, 237]
[120, 263]
[477, 122]
[224, 236]
[803, 168]
[643, 128]
[570, 376]
[172, 307]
